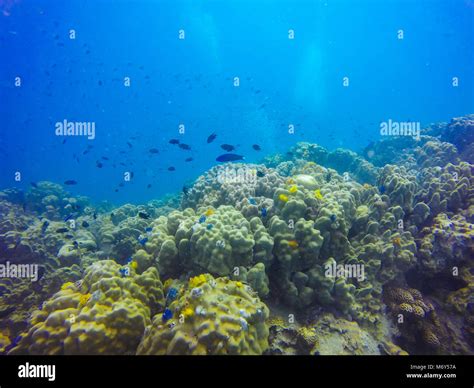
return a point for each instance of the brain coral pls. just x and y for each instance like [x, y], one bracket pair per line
[106, 313]
[210, 316]
[216, 243]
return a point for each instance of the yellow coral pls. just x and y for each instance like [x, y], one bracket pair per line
[318, 195]
[418, 311]
[84, 299]
[67, 285]
[197, 281]
[406, 308]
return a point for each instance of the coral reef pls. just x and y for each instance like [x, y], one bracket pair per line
[210, 316]
[105, 313]
[380, 244]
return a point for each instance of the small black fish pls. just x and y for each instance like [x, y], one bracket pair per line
[70, 182]
[68, 236]
[148, 186]
[184, 146]
[129, 144]
[75, 244]
[100, 83]
[185, 190]
[189, 159]
[105, 158]
[85, 224]
[260, 174]
[44, 226]
[112, 215]
[64, 141]
[229, 157]
[35, 185]
[211, 137]
[256, 147]
[227, 147]
[257, 91]
[174, 141]
[262, 106]
[143, 215]
[121, 184]
[85, 152]
[171, 168]
[116, 190]
[62, 230]
[99, 164]
[94, 216]
[153, 151]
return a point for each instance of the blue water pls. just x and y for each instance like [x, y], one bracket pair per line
[190, 82]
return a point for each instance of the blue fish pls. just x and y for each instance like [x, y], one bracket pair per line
[333, 218]
[172, 293]
[209, 226]
[263, 212]
[229, 157]
[143, 241]
[252, 201]
[129, 260]
[382, 189]
[123, 272]
[68, 217]
[202, 219]
[149, 229]
[167, 315]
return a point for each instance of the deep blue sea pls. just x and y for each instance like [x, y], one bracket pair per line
[69, 60]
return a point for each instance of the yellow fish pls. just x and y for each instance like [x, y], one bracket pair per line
[293, 244]
[134, 264]
[290, 181]
[188, 312]
[209, 212]
[283, 198]
[317, 194]
[293, 189]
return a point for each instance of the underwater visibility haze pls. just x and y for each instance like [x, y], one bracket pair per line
[237, 177]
